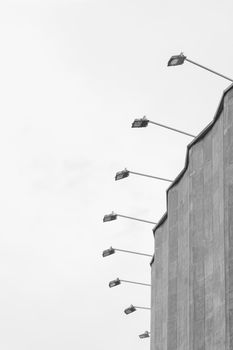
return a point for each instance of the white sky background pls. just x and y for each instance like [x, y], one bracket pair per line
[74, 75]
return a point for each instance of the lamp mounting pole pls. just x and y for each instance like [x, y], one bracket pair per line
[210, 70]
[130, 217]
[173, 129]
[143, 308]
[142, 284]
[131, 252]
[153, 177]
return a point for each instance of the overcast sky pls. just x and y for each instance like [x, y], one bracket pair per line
[73, 76]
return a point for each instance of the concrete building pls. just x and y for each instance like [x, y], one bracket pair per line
[192, 270]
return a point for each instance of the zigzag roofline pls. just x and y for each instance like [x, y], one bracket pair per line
[193, 142]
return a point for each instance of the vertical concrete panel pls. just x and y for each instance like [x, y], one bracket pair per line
[159, 291]
[198, 246]
[165, 286]
[228, 215]
[159, 288]
[183, 266]
[172, 270]
[190, 262]
[156, 292]
[208, 237]
[218, 252]
[152, 303]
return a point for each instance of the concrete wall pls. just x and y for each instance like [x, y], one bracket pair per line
[192, 272]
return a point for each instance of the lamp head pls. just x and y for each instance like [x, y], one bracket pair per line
[114, 283]
[121, 174]
[144, 335]
[109, 217]
[176, 60]
[129, 310]
[108, 252]
[140, 123]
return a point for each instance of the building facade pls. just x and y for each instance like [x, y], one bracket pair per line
[192, 269]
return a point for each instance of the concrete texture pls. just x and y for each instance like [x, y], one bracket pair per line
[192, 271]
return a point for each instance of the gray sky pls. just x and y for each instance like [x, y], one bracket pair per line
[74, 75]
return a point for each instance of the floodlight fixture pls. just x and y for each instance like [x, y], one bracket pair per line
[114, 283]
[179, 59]
[130, 309]
[144, 335]
[133, 308]
[140, 123]
[161, 125]
[108, 252]
[110, 217]
[113, 216]
[122, 174]
[176, 60]
[112, 250]
[125, 173]
[118, 281]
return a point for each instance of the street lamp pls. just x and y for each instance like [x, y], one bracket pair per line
[114, 283]
[108, 252]
[118, 281]
[140, 123]
[125, 173]
[179, 59]
[176, 60]
[113, 216]
[110, 217]
[144, 335]
[133, 308]
[112, 250]
[122, 174]
[129, 309]
[143, 122]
